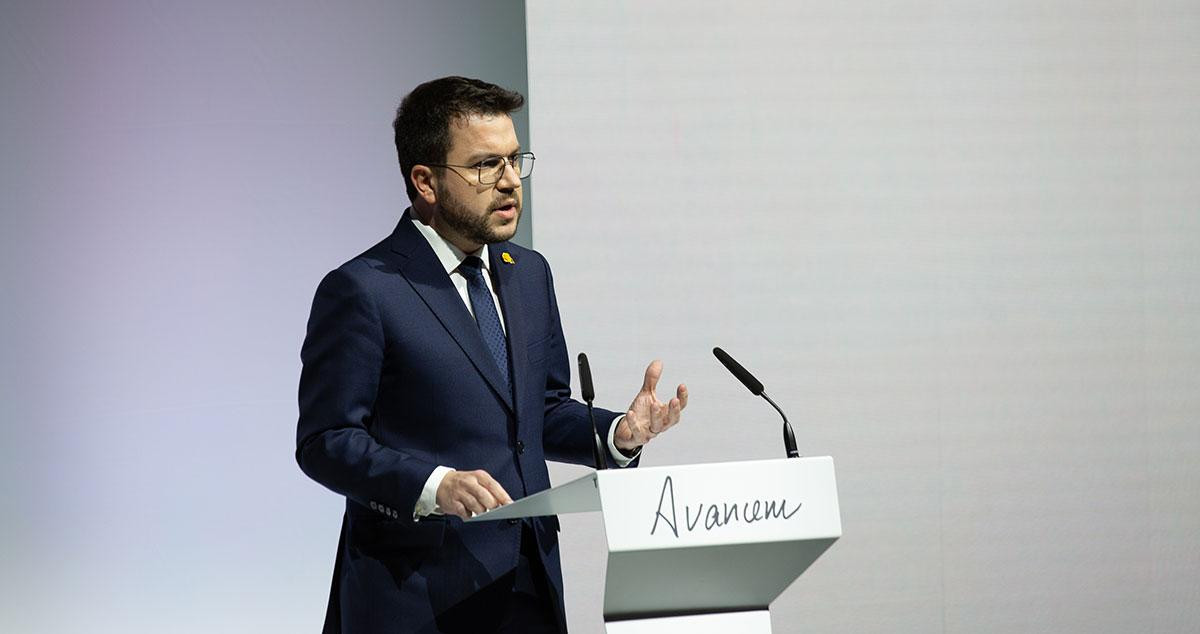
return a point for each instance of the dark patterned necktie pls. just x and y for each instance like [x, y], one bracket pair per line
[485, 313]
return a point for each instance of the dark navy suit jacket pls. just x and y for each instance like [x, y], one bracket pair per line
[397, 380]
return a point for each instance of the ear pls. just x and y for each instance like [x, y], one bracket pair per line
[423, 179]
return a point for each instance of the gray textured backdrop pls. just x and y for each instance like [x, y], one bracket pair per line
[960, 243]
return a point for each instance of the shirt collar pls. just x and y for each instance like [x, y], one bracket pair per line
[449, 255]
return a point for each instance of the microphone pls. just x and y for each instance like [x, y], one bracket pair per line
[589, 394]
[756, 388]
[754, 385]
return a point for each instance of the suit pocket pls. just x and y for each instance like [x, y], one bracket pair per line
[536, 351]
[385, 538]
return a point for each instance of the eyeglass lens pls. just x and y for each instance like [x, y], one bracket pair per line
[490, 171]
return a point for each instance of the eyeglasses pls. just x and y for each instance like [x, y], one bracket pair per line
[490, 170]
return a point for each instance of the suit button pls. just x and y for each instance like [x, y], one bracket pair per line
[520, 447]
[374, 506]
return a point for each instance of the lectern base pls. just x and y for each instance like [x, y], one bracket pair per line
[756, 622]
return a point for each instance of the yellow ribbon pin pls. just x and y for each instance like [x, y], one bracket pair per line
[508, 259]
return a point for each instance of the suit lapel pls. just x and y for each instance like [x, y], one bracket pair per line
[508, 289]
[425, 273]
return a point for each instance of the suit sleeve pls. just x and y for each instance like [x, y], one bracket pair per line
[342, 362]
[567, 430]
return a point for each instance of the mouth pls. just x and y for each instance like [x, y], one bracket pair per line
[507, 210]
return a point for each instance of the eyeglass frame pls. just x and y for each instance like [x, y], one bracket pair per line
[508, 162]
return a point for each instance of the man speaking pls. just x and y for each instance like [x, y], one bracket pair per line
[436, 383]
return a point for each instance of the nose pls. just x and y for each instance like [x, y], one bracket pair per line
[509, 178]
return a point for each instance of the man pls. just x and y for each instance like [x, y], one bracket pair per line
[436, 384]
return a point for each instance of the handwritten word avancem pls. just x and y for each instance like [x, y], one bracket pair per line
[716, 515]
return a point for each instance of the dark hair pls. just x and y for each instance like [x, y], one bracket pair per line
[422, 123]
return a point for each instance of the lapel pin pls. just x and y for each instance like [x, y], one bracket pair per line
[508, 259]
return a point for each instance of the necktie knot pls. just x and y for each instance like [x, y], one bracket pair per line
[471, 267]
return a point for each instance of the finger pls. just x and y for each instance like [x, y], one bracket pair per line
[673, 411]
[653, 372]
[681, 393]
[482, 496]
[478, 487]
[471, 504]
[457, 508]
[494, 488]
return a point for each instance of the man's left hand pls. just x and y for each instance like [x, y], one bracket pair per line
[647, 416]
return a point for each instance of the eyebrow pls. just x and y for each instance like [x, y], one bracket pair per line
[475, 158]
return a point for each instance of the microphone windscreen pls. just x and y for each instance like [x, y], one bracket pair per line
[741, 373]
[585, 379]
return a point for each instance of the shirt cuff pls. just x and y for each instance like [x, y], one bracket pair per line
[427, 502]
[621, 459]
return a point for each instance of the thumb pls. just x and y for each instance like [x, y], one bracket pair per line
[653, 372]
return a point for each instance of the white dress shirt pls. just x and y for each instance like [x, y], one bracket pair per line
[451, 257]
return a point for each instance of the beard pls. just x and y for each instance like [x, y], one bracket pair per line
[474, 226]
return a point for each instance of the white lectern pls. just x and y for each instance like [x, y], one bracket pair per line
[700, 548]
